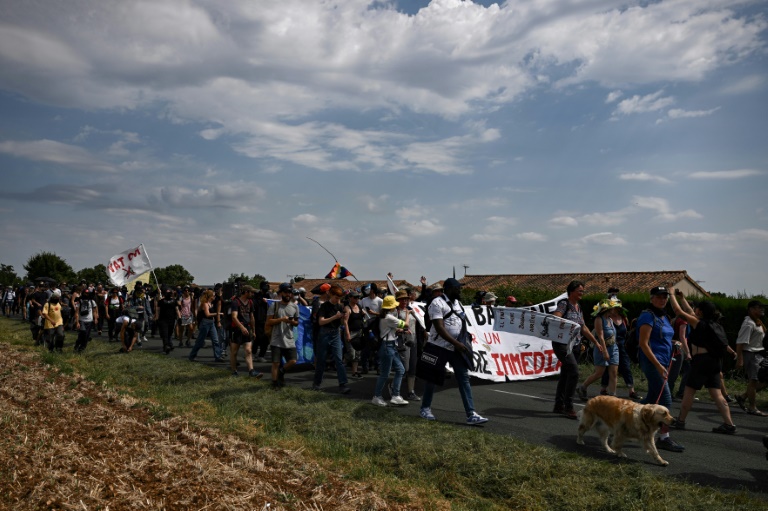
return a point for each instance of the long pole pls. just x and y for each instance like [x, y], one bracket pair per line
[151, 268]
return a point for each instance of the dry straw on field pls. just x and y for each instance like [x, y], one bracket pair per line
[69, 444]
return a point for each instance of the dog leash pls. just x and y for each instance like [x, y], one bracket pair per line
[664, 383]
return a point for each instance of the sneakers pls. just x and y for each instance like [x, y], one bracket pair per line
[380, 402]
[255, 374]
[413, 397]
[725, 429]
[260, 359]
[582, 393]
[742, 402]
[357, 376]
[426, 413]
[475, 419]
[633, 395]
[234, 373]
[677, 424]
[344, 389]
[668, 444]
[398, 401]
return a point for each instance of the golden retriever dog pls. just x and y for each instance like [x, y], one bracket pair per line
[623, 419]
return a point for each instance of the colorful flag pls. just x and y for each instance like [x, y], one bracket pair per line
[338, 272]
[128, 266]
[335, 271]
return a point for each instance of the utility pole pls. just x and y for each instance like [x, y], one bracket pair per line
[466, 266]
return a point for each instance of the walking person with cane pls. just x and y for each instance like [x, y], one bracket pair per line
[655, 336]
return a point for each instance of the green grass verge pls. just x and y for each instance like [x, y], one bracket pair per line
[403, 457]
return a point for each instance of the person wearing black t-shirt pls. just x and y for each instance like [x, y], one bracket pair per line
[330, 318]
[242, 331]
[167, 313]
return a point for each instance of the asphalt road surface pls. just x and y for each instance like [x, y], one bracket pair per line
[523, 409]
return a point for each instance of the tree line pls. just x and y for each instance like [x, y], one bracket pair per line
[52, 266]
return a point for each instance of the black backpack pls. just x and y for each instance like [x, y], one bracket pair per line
[428, 320]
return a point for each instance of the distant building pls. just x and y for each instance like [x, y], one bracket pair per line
[627, 282]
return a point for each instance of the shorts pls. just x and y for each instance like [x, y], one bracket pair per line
[238, 337]
[187, 320]
[705, 372]
[278, 353]
[613, 356]
[752, 361]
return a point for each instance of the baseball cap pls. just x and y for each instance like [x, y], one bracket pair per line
[659, 290]
[285, 286]
[451, 282]
[489, 297]
[324, 288]
[511, 299]
[248, 288]
[755, 303]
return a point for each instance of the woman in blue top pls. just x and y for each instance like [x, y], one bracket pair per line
[655, 337]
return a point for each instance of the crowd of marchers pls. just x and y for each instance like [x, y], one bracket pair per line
[678, 345]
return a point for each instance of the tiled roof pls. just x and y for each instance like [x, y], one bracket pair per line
[627, 282]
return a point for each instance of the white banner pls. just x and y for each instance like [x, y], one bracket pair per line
[127, 266]
[507, 349]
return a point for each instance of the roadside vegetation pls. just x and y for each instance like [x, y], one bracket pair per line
[401, 462]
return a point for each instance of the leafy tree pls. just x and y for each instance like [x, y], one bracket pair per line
[8, 275]
[48, 264]
[254, 281]
[174, 275]
[96, 274]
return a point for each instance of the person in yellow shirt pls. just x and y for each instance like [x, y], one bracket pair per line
[53, 328]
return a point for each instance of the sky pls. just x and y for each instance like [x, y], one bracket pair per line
[411, 137]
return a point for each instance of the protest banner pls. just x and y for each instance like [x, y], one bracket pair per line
[514, 343]
[127, 266]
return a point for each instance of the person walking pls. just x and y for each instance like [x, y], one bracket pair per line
[708, 345]
[750, 354]
[448, 324]
[206, 318]
[242, 331]
[330, 317]
[282, 318]
[606, 351]
[569, 308]
[391, 328]
[655, 338]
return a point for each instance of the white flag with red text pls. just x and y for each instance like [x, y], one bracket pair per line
[127, 266]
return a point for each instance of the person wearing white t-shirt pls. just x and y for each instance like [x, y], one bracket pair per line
[371, 305]
[86, 314]
[447, 315]
[750, 354]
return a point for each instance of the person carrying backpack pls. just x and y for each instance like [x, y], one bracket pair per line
[708, 345]
[449, 342]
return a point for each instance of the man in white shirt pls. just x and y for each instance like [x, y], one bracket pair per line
[448, 323]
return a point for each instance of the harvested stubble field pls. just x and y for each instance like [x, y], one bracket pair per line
[70, 444]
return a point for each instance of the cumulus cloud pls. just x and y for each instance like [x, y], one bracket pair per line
[643, 104]
[531, 236]
[50, 151]
[726, 174]
[563, 221]
[267, 78]
[664, 212]
[677, 113]
[643, 176]
[599, 238]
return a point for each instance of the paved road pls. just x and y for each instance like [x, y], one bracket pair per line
[523, 409]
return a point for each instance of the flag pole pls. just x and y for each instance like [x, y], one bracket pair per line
[151, 268]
